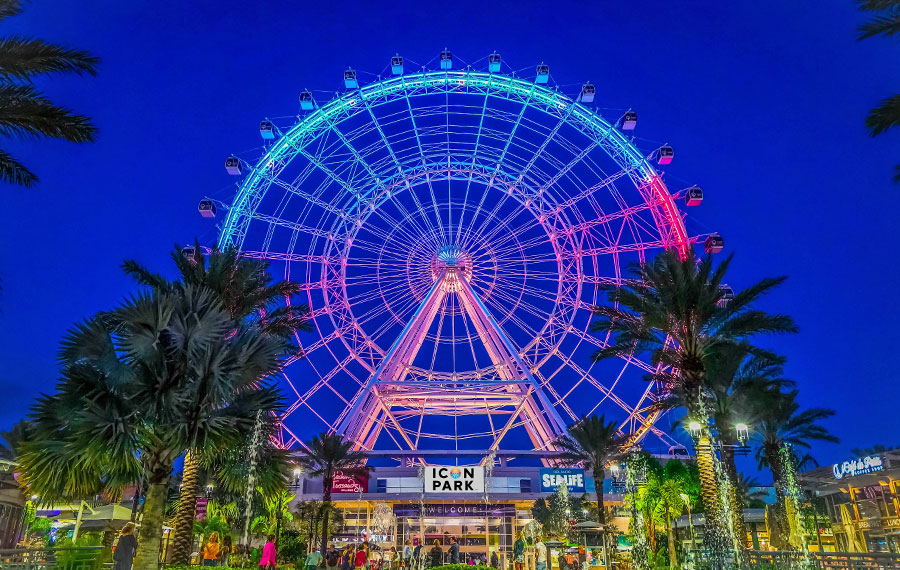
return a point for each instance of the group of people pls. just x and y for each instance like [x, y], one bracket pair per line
[215, 553]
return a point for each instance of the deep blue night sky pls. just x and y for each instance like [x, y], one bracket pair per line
[763, 101]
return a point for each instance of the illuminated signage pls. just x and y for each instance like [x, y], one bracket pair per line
[454, 479]
[343, 483]
[554, 478]
[859, 466]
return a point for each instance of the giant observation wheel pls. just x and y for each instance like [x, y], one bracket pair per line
[450, 228]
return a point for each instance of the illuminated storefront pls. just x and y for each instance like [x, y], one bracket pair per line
[862, 500]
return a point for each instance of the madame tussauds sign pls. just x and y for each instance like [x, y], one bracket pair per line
[454, 479]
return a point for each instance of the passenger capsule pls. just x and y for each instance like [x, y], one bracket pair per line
[542, 74]
[494, 63]
[713, 243]
[189, 253]
[587, 93]
[727, 294]
[233, 165]
[693, 196]
[350, 81]
[446, 60]
[397, 65]
[306, 101]
[207, 209]
[267, 130]
[629, 121]
[665, 155]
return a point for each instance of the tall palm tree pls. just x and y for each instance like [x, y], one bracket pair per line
[885, 21]
[160, 374]
[675, 309]
[25, 111]
[782, 432]
[593, 442]
[323, 456]
[739, 382]
[245, 289]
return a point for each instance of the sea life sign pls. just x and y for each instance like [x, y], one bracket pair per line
[858, 466]
[440, 479]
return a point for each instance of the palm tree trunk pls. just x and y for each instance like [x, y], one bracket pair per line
[109, 536]
[598, 488]
[734, 499]
[149, 539]
[709, 491]
[670, 535]
[326, 507]
[183, 539]
[781, 531]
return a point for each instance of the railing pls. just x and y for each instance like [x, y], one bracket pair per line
[789, 560]
[74, 558]
[826, 560]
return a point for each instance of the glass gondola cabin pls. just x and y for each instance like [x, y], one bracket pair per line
[446, 60]
[350, 81]
[233, 165]
[587, 93]
[693, 196]
[713, 244]
[494, 63]
[267, 130]
[665, 155]
[207, 209]
[189, 252]
[397, 65]
[306, 101]
[727, 295]
[629, 121]
[542, 74]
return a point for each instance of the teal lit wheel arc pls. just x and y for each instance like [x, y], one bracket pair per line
[557, 199]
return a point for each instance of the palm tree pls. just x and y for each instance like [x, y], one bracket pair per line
[784, 429]
[739, 382]
[160, 374]
[243, 286]
[593, 442]
[663, 498]
[676, 309]
[884, 22]
[323, 456]
[25, 111]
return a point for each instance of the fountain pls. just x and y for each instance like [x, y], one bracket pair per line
[635, 472]
[792, 503]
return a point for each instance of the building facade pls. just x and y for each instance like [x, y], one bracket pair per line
[862, 501]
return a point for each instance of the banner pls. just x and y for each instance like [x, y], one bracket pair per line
[553, 477]
[456, 510]
[349, 484]
[454, 479]
[200, 509]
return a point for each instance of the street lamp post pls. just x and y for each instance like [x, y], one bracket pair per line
[278, 514]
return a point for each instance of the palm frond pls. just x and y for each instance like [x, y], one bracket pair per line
[14, 172]
[10, 8]
[22, 58]
[885, 116]
[26, 112]
[886, 24]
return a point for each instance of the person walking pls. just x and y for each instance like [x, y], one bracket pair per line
[269, 553]
[454, 551]
[225, 551]
[362, 556]
[347, 558]
[495, 560]
[126, 549]
[540, 554]
[437, 555]
[210, 553]
[519, 552]
[313, 559]
[332, 559]
[406, 557]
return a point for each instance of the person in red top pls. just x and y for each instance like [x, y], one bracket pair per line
[362, 556]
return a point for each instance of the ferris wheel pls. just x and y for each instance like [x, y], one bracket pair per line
[450, 228]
